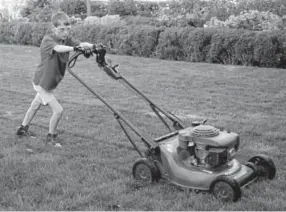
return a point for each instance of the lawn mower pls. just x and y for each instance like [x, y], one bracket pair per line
[199, 157]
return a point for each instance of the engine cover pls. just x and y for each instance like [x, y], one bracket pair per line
[212, 146]
[210, 136]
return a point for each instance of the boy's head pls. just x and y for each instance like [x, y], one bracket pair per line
[61, 25]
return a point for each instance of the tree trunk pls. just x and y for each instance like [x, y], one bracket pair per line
[88, 8]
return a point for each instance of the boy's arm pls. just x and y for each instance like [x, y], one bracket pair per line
[74, 42]
[86, 45]
[50, 46]
[63, 48]
[71, 44]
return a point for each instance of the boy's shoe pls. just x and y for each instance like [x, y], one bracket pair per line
[52, 139]
[24, 131]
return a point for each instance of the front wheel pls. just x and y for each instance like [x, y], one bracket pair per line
[265, 166]
[145, 171]
[226, 189]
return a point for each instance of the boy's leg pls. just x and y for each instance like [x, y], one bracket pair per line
[57, 114]
[34, 107]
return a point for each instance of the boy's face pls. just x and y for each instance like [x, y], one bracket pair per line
[62, 31]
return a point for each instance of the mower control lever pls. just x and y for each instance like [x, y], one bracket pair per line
[204, 121]
[112, 72]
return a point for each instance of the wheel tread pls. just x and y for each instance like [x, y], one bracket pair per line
[155, 173]
[232, 182]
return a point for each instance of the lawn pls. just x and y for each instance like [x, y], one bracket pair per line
[93, 171]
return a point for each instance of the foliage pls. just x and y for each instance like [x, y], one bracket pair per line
[73, 7]
[197, 12]
[182, 13]
[267, 51]
[128, 40]
[141, 20]
[31, 5]
[8, 31]
[39, 10]
[223, 9]
[214, 45]
[147, 9]
[251, 20]
[170, 45]
[222, 48]
[99, 8]
[139, 40]
[131, 7]
[122, 8]
[12, 8]
[255, 20]
[198, 44]
[244, 49]
[277, 7]
[23, 33]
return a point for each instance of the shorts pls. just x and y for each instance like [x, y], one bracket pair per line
[43, 96]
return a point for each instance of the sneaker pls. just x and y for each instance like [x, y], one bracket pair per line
[52, 140]
[24, 131]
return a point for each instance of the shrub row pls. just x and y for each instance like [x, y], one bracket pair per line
[213, 45]
[23, 33]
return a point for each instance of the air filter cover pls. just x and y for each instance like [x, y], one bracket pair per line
[204, 131]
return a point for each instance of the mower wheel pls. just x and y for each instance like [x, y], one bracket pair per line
[252, 166]
[146, 171]
[265, 166]
[226, 189]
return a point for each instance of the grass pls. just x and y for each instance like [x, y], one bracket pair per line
[93, 171]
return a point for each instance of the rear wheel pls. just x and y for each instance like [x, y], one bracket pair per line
[145, 171]
[226, 189]
[265, 165]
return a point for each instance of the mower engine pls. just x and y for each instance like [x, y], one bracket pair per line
[209, 146]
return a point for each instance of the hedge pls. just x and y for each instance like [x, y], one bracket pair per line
[213, 45]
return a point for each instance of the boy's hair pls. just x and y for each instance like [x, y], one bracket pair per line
[60, 18]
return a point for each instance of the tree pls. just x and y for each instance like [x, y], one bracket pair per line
[73, 7]
[14, 7]
[40, 10]
[88, 7]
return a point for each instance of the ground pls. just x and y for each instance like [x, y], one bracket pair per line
[93, 170]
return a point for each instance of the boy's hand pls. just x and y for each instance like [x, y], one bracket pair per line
[79, 49]
[87, 52]
[100, 57]
[97, 47]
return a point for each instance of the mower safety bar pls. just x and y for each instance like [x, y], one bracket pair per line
[120, 118]
[116, 75]
[111, 71]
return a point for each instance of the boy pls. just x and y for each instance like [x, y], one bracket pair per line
[55, 48]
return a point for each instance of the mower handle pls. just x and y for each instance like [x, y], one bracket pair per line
[147, 141]
[99, 50]
[72, 60]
